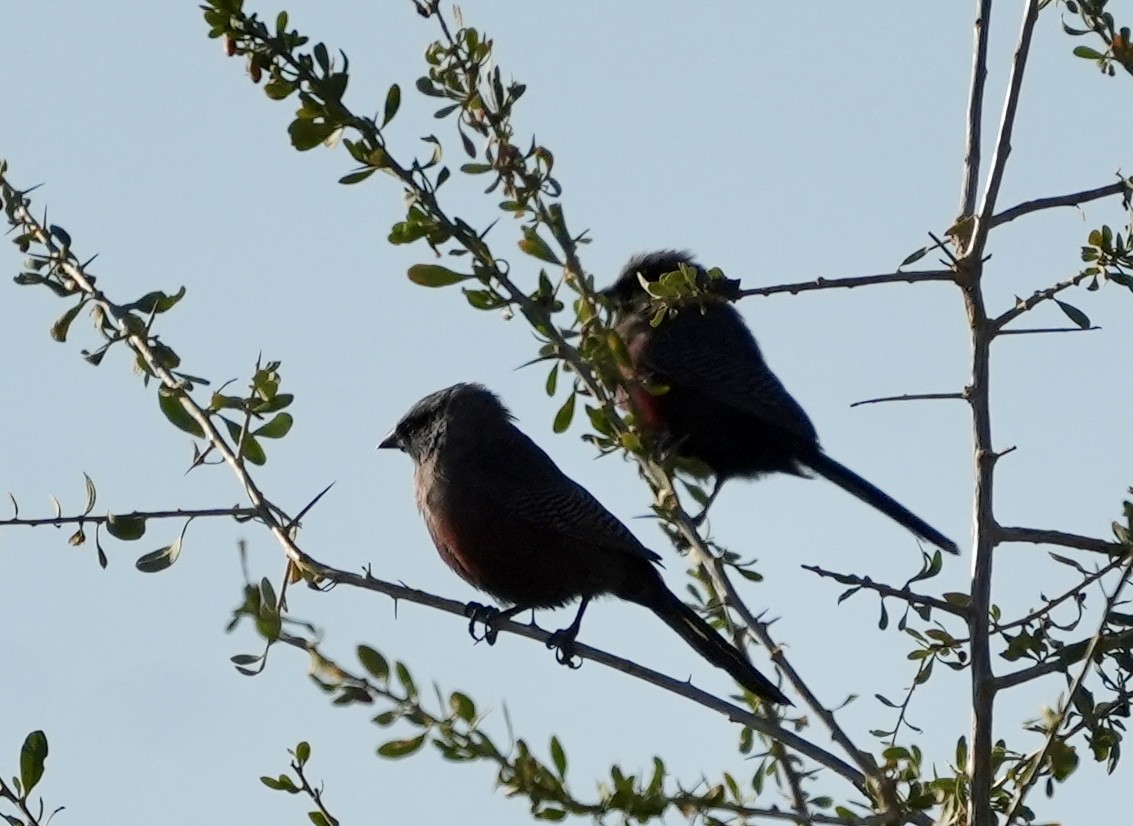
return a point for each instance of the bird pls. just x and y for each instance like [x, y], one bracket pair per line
[699, 384]
[508, 521]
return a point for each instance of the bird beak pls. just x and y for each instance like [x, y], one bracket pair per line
[391, 440]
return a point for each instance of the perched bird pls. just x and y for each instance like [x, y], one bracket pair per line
[719, 401]
[510, 523]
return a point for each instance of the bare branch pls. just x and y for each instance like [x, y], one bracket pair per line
[1006, 128]
[910, 397]
[974, 133]
[852, 281]
[1034, 330]
[1038, 536]
[1071, 199]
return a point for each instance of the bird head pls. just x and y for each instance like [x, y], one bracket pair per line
[463, 407]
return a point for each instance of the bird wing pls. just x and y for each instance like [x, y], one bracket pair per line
[530, 487]
[714, 354]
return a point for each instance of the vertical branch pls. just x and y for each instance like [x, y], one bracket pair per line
[1006, 128]
[983, 685]
[983, 331]
[975, 110]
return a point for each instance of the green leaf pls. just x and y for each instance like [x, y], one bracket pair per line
[401, 748]
[156, 302]
[915, 256]
[303, 752]
[318, 818]
[393, 103]
[126, 528]
[462, 706]
[406, 679]
[92, 494]
[564, 416]
[178, 415]
[1088, 53]
[32, 755]
[159, 560]
[558, 757]
[536, 247]
[277, 428]
[1074, 314]
[63, 323]
[250, 449]
[373, 662]
[434, 275]
[307, 134]
[282, 783]
[357, 177]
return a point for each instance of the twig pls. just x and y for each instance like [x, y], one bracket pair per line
[1003, 143]
[1036, 298]
[1064, 659]
[903, 594]
[852, 281]
[236, 513]
[1038, 536]
[974, 132]
[1054, 603]
[909, 397]
[1032, 330]
[1028, 781]
[881, 788]
[1071, 199]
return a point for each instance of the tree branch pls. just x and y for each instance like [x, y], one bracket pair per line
[1038, 536]
[1034, 330]
[903, 594]
[1028, 781]
[852, 281]
[880, 787]
[686, 689]
[909, 397]
[1006, 128]
[974, 132]
[235, 512]
[1071, 199]
[1035, 299]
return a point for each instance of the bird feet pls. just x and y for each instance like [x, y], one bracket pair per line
[563, 643]
[482, 614]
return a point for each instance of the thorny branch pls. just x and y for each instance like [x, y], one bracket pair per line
[187, 513]
[1071, 199]
[913, 277]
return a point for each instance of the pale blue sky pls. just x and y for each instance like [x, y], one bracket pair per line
[780, 148]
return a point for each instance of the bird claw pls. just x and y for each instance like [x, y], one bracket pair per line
[482, 614]
[563, 643]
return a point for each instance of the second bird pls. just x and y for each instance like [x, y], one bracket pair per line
[510, 523]
[722, 405]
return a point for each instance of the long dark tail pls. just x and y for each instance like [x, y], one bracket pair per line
[849, 481]
[652, 593]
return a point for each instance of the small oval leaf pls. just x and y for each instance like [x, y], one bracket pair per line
[434, 275]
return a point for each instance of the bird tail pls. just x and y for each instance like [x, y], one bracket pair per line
[701, 636]
[850, 482]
